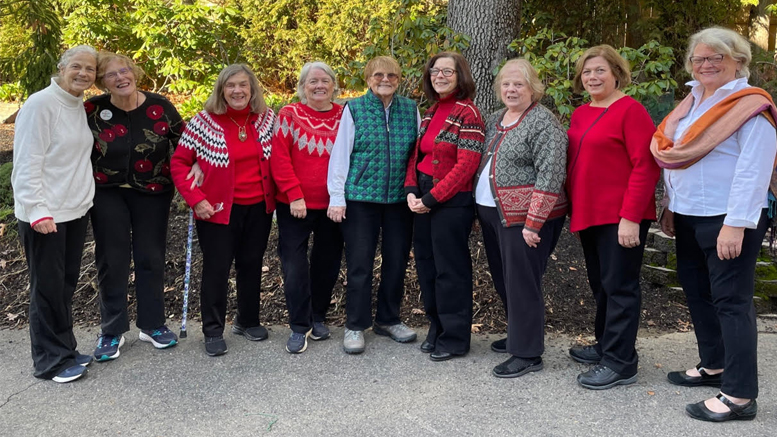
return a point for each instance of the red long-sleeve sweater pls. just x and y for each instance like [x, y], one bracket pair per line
[612, 174]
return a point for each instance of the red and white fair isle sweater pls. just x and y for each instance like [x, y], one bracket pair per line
[302, 141]
[205, 142]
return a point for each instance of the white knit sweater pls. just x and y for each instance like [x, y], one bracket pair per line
[52, 173]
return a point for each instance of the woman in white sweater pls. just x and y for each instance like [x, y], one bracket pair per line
[53, 189]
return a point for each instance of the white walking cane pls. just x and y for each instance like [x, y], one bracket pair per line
[188, 274]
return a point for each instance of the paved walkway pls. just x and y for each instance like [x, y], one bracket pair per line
[390, 390]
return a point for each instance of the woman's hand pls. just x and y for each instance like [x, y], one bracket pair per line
[204, 210]
[532, 238]
[197, 174]
[628, 233]
[336, 213]
[730, 242]
[667, 222]
[416, 205]
[298, 209]
[46, 226]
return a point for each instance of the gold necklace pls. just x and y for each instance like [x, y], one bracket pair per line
[241, 133]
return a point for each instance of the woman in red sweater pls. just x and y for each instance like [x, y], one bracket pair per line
[611, 179]
[303, 138]
[230, 141]
[439, 190]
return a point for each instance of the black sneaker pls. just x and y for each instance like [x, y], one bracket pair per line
[108, 347]
[297, 343]
[585, 354]
[254, 333]
[320, 331]
[601, 377]
[516, 366]
[160, 337]
[83, 360]
[215, 346]
[70, 374]
[500, 346]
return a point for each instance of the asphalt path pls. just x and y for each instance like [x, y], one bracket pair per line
[392, 389]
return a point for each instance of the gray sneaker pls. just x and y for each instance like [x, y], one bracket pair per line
[353, 341]
[399, 332]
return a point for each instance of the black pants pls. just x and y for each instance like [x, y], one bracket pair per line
[54, 263]
[361, 230]
[444, 264]
[720, 299]
[518, 269]
[308, 285]
[613, 273]
[128, 222]
[244, 239]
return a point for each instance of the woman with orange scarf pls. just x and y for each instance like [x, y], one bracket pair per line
[718, 150]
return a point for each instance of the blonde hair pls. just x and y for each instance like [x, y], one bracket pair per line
[723, 41]
[104, 58]
[529, 75]
[380, 63]
[618, 65]
[216, 103]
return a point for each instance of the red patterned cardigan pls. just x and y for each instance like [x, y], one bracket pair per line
[455, 156]
[203, 141]
[528, 168]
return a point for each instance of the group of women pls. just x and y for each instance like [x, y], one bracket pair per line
[376, 171]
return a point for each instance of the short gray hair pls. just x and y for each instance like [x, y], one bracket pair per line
[73, 51]
[723, 41]
[529, 75]
[303, 77]
[216, 103]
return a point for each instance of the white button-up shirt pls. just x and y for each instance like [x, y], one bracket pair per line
[733, 179]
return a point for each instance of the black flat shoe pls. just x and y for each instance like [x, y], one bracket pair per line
[215, 346]
[499, 346]
[585, 354]
[515, 367]
[699, 411]
[427, 347]
[682, 379]
[601, 377]
[442, 356]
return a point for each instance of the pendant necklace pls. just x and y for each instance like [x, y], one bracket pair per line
[241, 133]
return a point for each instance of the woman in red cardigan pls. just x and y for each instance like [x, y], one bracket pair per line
[304, 135]
[230, 141]
[611, 179]
[439, 190]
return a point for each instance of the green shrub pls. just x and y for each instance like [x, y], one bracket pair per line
[6, 192]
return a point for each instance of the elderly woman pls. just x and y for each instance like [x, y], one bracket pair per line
[439, 190]
[231, 142]
[135, 133]
[302, 142]
[610, 181]
[53, 190]
[717, 188]
[366, 176]
[521, 206]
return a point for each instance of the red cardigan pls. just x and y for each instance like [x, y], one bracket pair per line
[203, 141]
[456, 153]
[612, 174]
[302, 141]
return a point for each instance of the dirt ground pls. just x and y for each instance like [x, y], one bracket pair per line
[569, 306]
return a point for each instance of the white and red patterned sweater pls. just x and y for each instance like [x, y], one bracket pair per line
[203, 141]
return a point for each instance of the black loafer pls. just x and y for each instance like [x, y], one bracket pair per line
[254, 333]
[515, 367]
[427, 347]
[441, 356]
[699, 411]
[601, 377]
[585, 354]
[215, 346]
[499, 346]
[705, 380]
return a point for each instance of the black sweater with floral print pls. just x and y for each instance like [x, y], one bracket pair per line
[133, 148]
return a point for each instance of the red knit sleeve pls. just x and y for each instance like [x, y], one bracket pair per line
[281, 166]
[181, 163]
[639, 198]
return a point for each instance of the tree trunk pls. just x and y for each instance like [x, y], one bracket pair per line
[492, 25]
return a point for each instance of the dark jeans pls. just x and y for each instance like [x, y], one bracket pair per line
[128, 222]
[361, 230]
[54, 263]
[720, 299]
[517, 269]
[244, 239]
[444, 264]
[308, 285]
[613, 273]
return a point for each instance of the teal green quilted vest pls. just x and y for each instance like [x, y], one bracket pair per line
[380, 151]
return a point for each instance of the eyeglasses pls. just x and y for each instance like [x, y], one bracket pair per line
[390, 76]
[447, 72]
[114, 74]
[714, 59]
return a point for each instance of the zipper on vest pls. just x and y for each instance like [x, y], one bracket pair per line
[388, 156]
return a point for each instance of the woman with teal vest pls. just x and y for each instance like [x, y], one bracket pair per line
[366, 178]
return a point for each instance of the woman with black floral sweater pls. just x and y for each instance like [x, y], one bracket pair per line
[135, 134]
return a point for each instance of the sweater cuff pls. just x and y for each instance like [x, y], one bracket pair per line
[533, 225]
[429, 201]
[295, 194]
[39, 213]
[630, 216]
[412, 190]
[32, 225]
